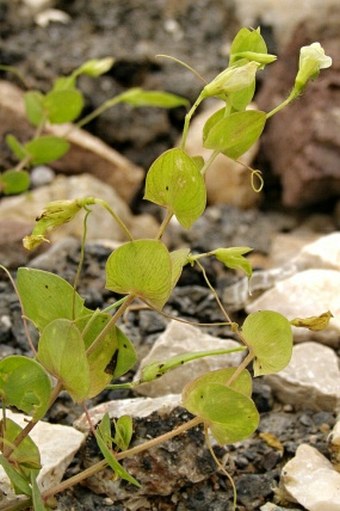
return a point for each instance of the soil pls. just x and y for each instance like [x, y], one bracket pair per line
[189, 30]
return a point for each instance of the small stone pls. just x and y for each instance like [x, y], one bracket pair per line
[311, 379]
[178, 339]
[41, 176]
[57, 446]
[334, 444]
[311, 480]
[322, 253]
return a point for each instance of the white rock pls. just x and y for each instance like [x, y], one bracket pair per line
[227, 181]
[100, 223]
[311, 379]
[135, 407]
[57, 445]
[310, 479]
[178, 339]
[322, 253]
[307, 293]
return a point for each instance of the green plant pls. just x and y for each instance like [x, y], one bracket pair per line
[145, 270]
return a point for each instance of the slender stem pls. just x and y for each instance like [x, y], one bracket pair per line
[207, 164]
[188, 118]
[81, 262]
[98, 111]
[117, 218]
[282, 105]
[130, 452]
[164, 224]
[212, 289]
[240, 368]
[110, 324]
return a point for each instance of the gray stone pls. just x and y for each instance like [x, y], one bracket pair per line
[178, 339]
[311, 379]
[57, 445]
[311, 480]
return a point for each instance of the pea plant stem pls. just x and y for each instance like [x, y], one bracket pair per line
[138, 449]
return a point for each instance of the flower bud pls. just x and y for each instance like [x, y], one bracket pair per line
[232, 79]
[312, 59]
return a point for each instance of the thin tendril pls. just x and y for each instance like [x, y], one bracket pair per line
[184, 64]
[81, 260]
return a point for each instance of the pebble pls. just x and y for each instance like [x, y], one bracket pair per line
[311, 379]
[41, 175]
[311, 480]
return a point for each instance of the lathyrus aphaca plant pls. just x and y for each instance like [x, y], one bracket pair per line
[83, 351]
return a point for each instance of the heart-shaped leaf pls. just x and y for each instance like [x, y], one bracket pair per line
[25, 385]
[175, 182]
[269, 334]
[46, 149]
[141, 268]
[235, 134]
[63, 105]
[61, 351]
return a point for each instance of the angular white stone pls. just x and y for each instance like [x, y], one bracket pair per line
[135, 407]
[311, 379]
[310, 479]
[57, 446]
[307, 293]
[177, 339]
[322, 253]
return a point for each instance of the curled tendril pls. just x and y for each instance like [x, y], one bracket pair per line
[256, 175]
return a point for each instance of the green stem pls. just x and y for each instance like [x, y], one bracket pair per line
[117, 218]
[80, 263]
[110, 324]
[98, 111]
[282, 105]
[164, 224]
[245, 362]
[207, 164]
[188, 117]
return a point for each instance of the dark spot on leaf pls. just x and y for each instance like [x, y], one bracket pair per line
[125, 346]
[111, 366]
[46, 286]
[161, 366]
[167, 188]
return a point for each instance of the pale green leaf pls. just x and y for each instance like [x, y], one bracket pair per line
[34, 106]
[228, 410]
[26, 455]
[19, 481]
[14, 181]
[16, 147]
[46, 149]
[113, 463]
[233, 258]
[175, 182]
[95, 67]
[103, 354]
[269, 334]
[46, 297]
[25, 385]
[126, 356]
[61, 351]
[63, 105]
[153, 98]
[141, 268]
[235, 134]
[38, 503]
[179, 258]
[123, 432]
[247, 40]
